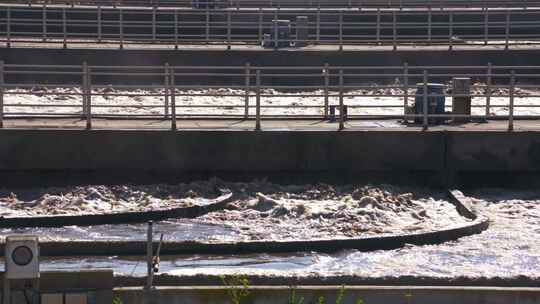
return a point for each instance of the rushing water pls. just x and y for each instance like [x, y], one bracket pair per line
[509, 248]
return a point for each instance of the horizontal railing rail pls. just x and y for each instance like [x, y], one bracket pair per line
[175, 27]
[293, 3]
[337, 93]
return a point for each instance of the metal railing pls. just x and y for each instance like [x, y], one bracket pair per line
[339, 93]
[175, 27]
[401, 4]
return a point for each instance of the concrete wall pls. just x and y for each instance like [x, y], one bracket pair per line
[348, 154]
[96, 284]
[311, 294]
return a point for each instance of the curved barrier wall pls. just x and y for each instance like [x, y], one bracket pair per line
[75, 248]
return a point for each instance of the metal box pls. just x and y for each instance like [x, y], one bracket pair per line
[435, 100]
[461, 104]
[280, 33]
[22, 257]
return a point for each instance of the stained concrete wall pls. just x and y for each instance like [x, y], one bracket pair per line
[97, 284]
[311, 294]
[346, 154]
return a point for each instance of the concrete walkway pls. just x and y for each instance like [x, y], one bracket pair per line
[269, 125]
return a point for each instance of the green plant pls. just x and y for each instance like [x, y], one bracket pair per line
[117, 301]
[237, 288]
[360, 301]
[322, 300]
[339, 298]
[408, 297]
[292, 299]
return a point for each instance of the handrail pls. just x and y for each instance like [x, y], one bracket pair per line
[204, 4]
[174, 92]
[176, 27]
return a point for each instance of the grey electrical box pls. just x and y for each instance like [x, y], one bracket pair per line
[302, 31]
[461, 100]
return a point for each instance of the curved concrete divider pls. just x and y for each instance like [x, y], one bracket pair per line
[78, 248]
[116, 218]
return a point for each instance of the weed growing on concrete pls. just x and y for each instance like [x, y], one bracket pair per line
[117, 301]
[292, 300]
[237, 288]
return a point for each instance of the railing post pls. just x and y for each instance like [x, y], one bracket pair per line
[258, 101]
[326, 75]
[207, 26]
[260, 26]
[507, 30]
[167, 84]
[176, 29]
[121, 27]
[246, 93]
[8, 26]
[172, 86]
[394, 31]
[44, 22]
[228, 30]
[99, 25]
[149, 256]
[276, 34]
[450, 30]
[405, 90]
[318, 26]
[511, 106]
[64, 27]
[341, 30]
[488, 90]
[429, 26]
[341, 108]
[154, 25]
[2, 93]
[378, 34]
[486, 26]
[87, 93]
[425, 101]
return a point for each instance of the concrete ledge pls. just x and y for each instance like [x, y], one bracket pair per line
[311, 294]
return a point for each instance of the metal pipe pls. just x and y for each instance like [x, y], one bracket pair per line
[511, 106]
[172, 85]
[258, 101]
[149, 256]
[2, 95]
[341, 108]
[405, 90]
[488, 89]
[326, 85]
[247, 89]
[425, 101]
[166, 91]
[121, 27]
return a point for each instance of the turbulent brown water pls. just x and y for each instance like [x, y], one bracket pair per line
[509, 248]
[262, 210]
